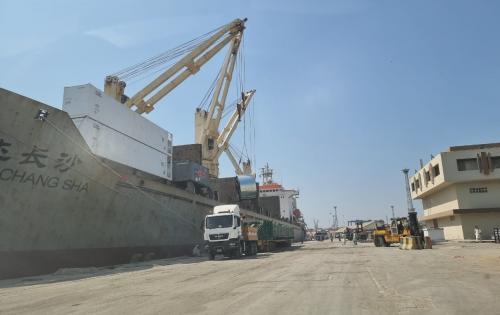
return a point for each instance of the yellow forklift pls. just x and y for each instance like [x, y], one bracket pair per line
[399, 227]
[388, 234]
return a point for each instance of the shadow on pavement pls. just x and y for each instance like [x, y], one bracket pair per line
[71, 274]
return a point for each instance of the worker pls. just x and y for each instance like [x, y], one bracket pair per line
[355, 237]
[477, 233]
[331, 237]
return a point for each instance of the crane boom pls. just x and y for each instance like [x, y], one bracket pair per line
[229, 129]
[235, 163]
[244, 169]
[207, 122]
[213, 142]
[177, 73]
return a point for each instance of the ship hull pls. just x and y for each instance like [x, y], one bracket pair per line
[61, 206]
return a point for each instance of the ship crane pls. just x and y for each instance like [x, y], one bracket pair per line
[222, 142]
[207, 122]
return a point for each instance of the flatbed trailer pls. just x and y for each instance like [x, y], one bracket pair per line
[232, 232]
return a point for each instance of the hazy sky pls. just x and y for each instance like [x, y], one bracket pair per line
[348, 92]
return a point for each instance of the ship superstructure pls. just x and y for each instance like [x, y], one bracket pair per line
[287, 197]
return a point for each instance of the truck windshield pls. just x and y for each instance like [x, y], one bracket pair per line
[221, 221]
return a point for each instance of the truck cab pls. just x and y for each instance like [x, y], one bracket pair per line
[224, 234]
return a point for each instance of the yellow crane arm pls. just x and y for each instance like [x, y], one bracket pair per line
[232, 124]
[177, 73]
[235, 163]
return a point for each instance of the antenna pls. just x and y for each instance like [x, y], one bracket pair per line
[267, 174]
[335, 221]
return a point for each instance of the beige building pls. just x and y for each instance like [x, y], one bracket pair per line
[459, 189]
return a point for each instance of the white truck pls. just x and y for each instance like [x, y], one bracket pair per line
[227, 233]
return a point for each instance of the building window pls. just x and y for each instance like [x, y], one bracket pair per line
[427, 176]
[412, 186]
[210, 143]
[478, 190]
[467, 164]
[495, 162]
[417, 184]
[436, 170]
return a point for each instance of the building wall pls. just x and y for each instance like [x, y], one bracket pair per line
[452, 189]
[452, 227]
[485, 221]
[452, 174]
[489, 199]
[444, 200]
[436, 180]
[449, 173]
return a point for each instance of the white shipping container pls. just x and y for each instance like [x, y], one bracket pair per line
[86, 100]
[115, 132]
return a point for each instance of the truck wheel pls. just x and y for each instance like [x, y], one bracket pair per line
[237, 252]
[211, 256]
[379, 241]
[248, 249]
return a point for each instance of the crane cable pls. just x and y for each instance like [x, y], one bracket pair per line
[237, 152]
[169, 55]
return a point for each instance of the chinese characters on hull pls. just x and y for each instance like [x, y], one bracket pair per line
[38, 157]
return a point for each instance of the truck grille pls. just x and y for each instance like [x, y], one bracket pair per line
[222, 236]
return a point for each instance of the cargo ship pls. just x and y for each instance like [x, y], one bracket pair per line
[63, 206]
[98, 184]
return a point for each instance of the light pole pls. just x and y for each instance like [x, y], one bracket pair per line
[412, 214]
[411, 209]
[336, 221]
